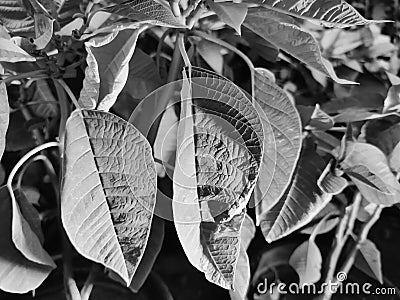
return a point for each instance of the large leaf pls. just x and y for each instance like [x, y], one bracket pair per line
[220, 143]
[108, 190]
[15, 18]
[332, 13]
[233, 14]
[282, 128]
[10, 52]
[148, 11]
[18, 274]
[302, 201]
[107, 68]
[281, 31]
[368, 162]
[4, 115]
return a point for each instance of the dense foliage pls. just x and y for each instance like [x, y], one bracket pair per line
[119, 117]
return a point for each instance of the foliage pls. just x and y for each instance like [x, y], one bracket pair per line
[285, 112]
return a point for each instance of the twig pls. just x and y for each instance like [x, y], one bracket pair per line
[159, 47]
[64, 112]
[24, 76]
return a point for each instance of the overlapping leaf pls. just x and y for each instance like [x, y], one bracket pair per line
[18, 273]
[148, 11]
[108, 190]
[281, 31]
[107, 68]
[220, 144]
[332, 13]
[10, 52]
[368, 168]
[301, 202]
[232, 14]
[282, 129]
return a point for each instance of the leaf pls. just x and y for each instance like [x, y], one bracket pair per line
[368, 260]
[355, 115]
[374, 167]
[211, 53]
[280, 30]
[143, 75]
[107, 68]
[282, 130]
[15, 18]
[43, 30]
[4, 115]
[307, 260]
[319, 120]
[10, 52]
[301, 202]
[108, 190]
[147, 11]
[330, 183]
[153, 247]
[17, 273]
[330, 13]
[394, 158]
[242, 278]
[383, 134]
[48, 106]
[392, 101]
[220, 142]
[233, 14]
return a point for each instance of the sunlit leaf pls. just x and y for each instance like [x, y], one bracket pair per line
[211, 53]
[368, 167]
[281, 31]
[307, 260]
[220, 142]
[330, 183]
[10, 52]
[302, 200]
[18, 274]
[149, 11]
[107, 68]
[43, 30]
[108, 190]
[282, 129]
[331, 13]
[233, 14]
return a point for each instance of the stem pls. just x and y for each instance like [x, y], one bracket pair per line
[89, 283]
[345, 268]
[159, 47]
[69, 92]
[37, 135]
[24, 76]
[64, 113]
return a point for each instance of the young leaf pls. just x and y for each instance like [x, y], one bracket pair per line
[4, 115]
[281, 31]
[10, 52]
[307, 260]
[282, 131]
[301, 202]
[330, 183]
[107, 68]
[330, 13]
[211, 53]
[146, 11]
[17, 273]
[233, 14]
[43, 30]
[368, 260]
[220, 142]
[371, 164]
[108, 190]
